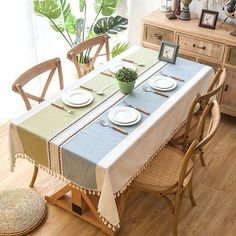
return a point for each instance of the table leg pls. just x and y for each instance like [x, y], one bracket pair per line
[80, 204]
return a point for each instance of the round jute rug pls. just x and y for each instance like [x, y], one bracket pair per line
[21, 211]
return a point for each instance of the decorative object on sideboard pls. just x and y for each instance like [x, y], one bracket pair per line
[172, 15]
[208, 19]
[209, 4]
[229, 8]
[168, 52]
[185, 13]
[177, 8]
[166, 5]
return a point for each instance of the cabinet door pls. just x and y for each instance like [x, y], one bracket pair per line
[228, 100]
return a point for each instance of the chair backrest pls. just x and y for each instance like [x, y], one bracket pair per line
[199, 141]
[86, 46]
[214, 108]
[201, 101]
[48, 66]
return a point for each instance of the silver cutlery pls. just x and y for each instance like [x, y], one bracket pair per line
[173, 77]
[146, 89]
[137, 108]
[101, 92]
[133, 62]
[103, 123]
[63, 108]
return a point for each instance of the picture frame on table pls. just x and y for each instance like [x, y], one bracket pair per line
[208, 19]
[168, 52]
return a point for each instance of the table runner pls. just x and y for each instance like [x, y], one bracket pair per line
[37, 124]
[101, 159]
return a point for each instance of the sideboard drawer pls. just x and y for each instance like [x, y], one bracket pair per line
[231, 57]
[155, 34]
[201, 47]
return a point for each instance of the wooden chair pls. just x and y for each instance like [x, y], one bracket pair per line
[184, 137]
[49, 66]
[86, 46]
[171, 170]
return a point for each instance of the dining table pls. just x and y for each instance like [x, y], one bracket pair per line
[89, 148]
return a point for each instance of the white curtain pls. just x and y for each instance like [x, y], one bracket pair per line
[17, 51]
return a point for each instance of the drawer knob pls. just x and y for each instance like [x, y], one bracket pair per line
[196, 46]
[159, 36]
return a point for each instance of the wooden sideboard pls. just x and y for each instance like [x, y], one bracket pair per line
[212, 47]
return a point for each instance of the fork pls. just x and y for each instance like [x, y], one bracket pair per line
[63, 108]
[146, 89]
[104, 124]
[173, 77]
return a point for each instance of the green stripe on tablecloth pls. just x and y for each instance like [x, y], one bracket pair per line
[35, 131]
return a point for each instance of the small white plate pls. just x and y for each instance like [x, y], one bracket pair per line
[124, 116]
[162, 83]
[77, 98]
[120, 65]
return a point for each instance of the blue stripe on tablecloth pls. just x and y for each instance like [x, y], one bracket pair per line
[81, 154]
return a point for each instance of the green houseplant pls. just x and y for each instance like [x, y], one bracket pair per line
[75, 30]
[126, 78]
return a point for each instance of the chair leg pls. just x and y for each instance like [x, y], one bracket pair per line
[31, 185]
[190, 192]
[176, 214]
[202, 157]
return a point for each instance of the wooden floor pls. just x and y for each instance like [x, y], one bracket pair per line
[214, 188]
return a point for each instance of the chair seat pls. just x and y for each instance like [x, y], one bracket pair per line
[163, 171]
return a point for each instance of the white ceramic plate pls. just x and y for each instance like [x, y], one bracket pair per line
[120, 65]
[124, 116]
[77, 98]
[162, 83]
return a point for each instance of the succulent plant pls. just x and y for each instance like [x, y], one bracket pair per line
[126, 75]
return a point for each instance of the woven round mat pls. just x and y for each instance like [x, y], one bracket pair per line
[21, 211]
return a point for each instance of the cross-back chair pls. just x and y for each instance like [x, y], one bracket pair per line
[49, 66]
[184, 137]
[171, 171]
[81, 51]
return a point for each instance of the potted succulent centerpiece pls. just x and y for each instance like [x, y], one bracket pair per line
[126, 78]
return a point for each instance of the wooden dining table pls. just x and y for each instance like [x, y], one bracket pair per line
[96, 162]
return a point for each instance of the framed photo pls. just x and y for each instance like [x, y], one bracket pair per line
[168, 52]
[208, 19]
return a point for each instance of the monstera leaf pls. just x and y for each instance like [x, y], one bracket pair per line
[119, 48]
[111, 25]
[80, 24]
[71, 24]
[62, 22]
[49, 9]
[106, 7]
[82, 4]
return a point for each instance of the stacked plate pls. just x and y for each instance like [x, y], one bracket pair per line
[120, 65]
[162, 83]
[124, 116]
[77, 98]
